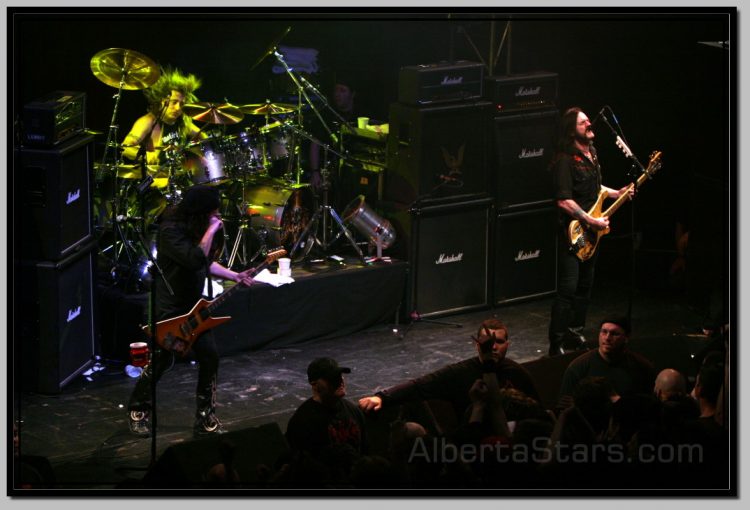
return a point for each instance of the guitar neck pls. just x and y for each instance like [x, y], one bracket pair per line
[621, 199]
[225, 295]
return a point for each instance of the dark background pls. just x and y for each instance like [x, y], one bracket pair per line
[669, 92]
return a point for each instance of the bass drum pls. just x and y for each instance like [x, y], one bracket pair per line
[279, 211]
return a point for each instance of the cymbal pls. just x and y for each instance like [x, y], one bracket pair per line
[115, 65]
[213, 113]
[133, 171]
[267, 108]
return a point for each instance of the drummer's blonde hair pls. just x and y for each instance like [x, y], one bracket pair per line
[173, 79]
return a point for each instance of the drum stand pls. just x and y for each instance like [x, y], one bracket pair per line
[243, 230]
[321, 215]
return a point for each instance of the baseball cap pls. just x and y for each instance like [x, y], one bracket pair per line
[325, 368]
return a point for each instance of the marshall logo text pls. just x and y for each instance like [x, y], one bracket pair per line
[443, 259]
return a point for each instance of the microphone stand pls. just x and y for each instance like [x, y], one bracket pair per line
[143, 186]
[633, 176]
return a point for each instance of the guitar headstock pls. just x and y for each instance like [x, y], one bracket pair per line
[654, 163]
[275, 255]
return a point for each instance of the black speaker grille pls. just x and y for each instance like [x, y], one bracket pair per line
[525, 254]
[56, 320]
[54, 191]
[450, 257]
[523, 147]
[437, 153]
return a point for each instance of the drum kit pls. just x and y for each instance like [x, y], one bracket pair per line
[256, 168]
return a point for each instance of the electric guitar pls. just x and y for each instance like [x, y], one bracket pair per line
[583, 241]
[178, 334]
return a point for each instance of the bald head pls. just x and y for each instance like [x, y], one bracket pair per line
[669, 383]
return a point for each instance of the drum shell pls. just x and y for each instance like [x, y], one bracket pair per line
[283, 210]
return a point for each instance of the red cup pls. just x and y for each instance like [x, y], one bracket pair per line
[139, 354]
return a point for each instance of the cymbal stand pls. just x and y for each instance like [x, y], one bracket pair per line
[300, 94]
[239, 247]
[322, 213]
[112, 136]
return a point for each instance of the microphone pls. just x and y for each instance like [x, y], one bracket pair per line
[598, 115]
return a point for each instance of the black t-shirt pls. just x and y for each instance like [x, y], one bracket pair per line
[452, 383]
[629, 375]
[313, 427]
[185, 267]
[576, 177]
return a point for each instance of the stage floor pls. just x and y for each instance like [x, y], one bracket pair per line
[83, 431]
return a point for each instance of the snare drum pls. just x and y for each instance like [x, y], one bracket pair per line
[204, 161]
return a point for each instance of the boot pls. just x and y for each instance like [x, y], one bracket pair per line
[576, 335]
[556, 341]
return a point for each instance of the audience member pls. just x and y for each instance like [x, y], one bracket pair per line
[452, 383]
[669, 384]
[326, 422]
[628, 372]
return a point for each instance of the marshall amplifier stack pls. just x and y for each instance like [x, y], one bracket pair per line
[54, 246]
[438, 180]
[524, 133]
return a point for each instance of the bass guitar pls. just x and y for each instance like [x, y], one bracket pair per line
[584, 241]
[178, 334]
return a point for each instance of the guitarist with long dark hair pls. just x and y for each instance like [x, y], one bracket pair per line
[187, 235]
[577, 178]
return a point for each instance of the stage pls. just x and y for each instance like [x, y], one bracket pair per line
[83, 431]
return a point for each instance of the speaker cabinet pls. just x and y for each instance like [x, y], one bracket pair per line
[187, 464]
[357, 179]
[437, 153]
[448, 255]
[53, 198]
[523, 146]
[525, 254]
[54, 327]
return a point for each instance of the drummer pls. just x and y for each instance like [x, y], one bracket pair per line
[164, 128]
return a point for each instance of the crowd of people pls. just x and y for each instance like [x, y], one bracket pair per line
[617, 424]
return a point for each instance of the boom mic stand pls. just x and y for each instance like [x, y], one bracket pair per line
[636, 168]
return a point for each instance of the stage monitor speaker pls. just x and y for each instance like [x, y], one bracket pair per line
[524, 144]
[448, 256]
[525, 254]
[53, 194]
[54, 326]
[187, 464]
[437, 153]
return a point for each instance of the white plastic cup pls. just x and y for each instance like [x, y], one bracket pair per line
[285, 267]
[362, 122]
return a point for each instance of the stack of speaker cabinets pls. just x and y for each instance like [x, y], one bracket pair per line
[439, 186]
[53, 251]
[524, 131]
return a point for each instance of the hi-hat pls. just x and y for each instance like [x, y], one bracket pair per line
[267, 108]
[213, 113]
[118, 66]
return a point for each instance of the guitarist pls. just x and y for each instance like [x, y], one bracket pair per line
[577, 179]
[186, 237]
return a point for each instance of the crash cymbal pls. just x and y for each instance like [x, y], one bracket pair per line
[213, 113]
[267, 108]
[115, 65]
